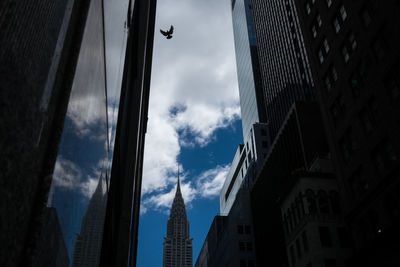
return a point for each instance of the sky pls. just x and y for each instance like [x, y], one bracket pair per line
[194, 120]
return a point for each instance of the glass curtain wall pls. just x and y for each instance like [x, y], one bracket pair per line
[78, 193]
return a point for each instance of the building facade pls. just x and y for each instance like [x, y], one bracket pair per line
[73, 124]
[354, 53]
[230, 240]
[248, 71]
[315, 231]
[300, 139]
[284, 67]
[178, 249]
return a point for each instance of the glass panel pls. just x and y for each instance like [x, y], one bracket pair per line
[78, 193]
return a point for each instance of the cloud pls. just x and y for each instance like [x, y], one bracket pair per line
[193, 93]
[69, 176]
[211, 181]
[207, 185]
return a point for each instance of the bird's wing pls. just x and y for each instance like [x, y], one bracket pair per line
[164, 33]
[171, 30]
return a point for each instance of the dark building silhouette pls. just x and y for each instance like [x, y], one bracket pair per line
[315, 231]
[178, 250]
[88, 244]
[230, 240]
[63, 128]
[284, 67]
[353, 48]
[293, 151]
[39, 45]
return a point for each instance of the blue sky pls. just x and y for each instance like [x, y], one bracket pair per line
[194, 120]
[201, 212]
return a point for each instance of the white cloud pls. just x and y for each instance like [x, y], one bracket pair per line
[211, 181]
[207, 185]
[69, 176]
[193, 75]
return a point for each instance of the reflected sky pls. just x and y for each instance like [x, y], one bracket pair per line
[85, 151]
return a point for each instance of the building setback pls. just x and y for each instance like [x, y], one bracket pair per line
[178, 250]
[354, 51]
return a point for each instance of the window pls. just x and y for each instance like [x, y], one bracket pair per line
[305, 241]
[384, 156]
[329, 3]
[320, 56]
[331, 77]
[352, 40]
[240, 229]
[358, 183]
[335, 201]
[345, 54]
[292, 255]
[336, 25]
[344, 237]
[242, 246]
[311, 203]
[356, 84]
[249, 246]
[323, 201]
[308, 9]
[365, 17]
[325, 236]
[379, 49]
[247, 229]
[348, 145]
[250, 263]
[314, 31]
[263, 132]
[264, 144]
[319, 21]
[343, 13]
[330, 263]
[326, 45]
[337, 109]
[298, 248]
[392, 83]
[367, 120]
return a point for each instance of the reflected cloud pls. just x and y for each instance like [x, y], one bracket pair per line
[69, 176]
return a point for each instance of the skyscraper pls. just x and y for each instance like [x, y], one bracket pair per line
[284, 67]
[69, 123]
[178, 250]
[354, 53]
[248, 73]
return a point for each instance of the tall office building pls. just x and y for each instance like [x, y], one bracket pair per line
[284, 67]
[248, 73]
[178, 250]
[354, 52]
[39, 46]
[66, 128]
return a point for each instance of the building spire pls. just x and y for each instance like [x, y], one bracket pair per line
[178, 188]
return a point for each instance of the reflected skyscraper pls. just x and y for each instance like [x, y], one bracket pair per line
[88, 243]
[178, 250]
[71, 123]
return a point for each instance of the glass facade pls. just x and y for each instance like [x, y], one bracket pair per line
[284, 66]
[81, 175]
[250, 87]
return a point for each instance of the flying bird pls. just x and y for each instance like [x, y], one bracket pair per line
[169, 33]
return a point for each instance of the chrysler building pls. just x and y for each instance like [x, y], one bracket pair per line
[177, 245]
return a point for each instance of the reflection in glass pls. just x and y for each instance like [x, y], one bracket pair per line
[79, 186]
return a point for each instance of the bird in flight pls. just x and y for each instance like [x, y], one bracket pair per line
[168, 33]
